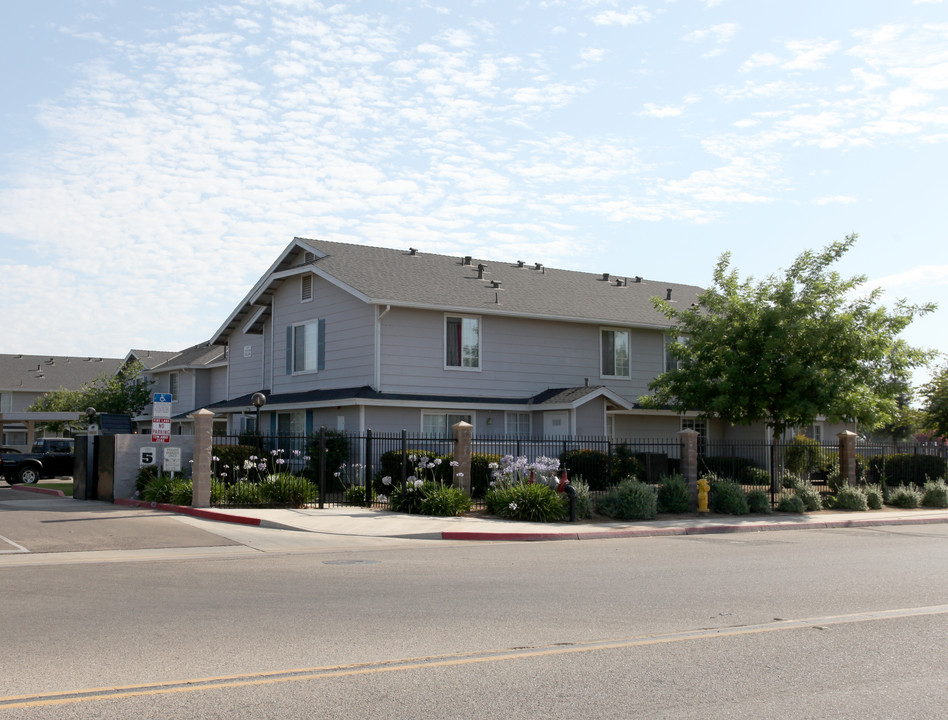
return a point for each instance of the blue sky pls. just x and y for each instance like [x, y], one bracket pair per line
[156, 157]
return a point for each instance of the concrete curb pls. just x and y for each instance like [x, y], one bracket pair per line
[38, 490]
[803, 523]
[692, 530]
[194, 512]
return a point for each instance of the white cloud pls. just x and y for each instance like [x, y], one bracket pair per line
[633, 16]
[809, 54]
[834, 200]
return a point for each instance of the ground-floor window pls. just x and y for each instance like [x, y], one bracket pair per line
[440, 423]
[517, 424]
[701, 427]
[291, 423]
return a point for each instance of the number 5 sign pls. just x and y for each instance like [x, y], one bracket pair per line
[146, 456]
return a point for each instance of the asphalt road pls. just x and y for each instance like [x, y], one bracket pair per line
[821, 623]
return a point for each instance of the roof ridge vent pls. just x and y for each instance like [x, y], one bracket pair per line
[495, 283]
[412, 251]
[520, 263]
[605, 276]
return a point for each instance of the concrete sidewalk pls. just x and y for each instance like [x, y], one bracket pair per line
[383, 523]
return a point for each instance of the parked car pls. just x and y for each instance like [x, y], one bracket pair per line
[50, 457]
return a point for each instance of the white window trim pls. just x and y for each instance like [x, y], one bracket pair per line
[480, 342]
[628, 334]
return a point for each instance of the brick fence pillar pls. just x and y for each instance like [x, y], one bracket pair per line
[462, 454]
[201, 470]
[689, 463]
[847, 456]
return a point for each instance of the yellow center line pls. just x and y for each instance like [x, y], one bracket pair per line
[435, 661]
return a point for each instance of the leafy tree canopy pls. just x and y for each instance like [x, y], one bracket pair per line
[123, 393]
[789, 348]
[935, 409]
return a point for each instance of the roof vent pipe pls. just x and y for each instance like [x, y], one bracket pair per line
[480, 271]
[668, 294]
[538, 266]
[495, 283]
[412, 251]
[638, 278]
[618, 282]
[520, 263]
[605, 276]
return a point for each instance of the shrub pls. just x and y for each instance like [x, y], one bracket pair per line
[355, 495]
[727, 497]
[231, 459]
[218, 492]
[626, 463]
[728, 466]
[790, 504]
[390, 465]
[875, 498]
[146, 475]
[445, 501]
[337, 453]
[810, 496]
[851, 498]
[408, 498]
[533, 502]
[592, 465]
[754, 476]
[673, 495]
[480, 472]
[905, 496]
[935, 494]
[181, 492]
[244, 493]
[629, 500]
[166, 489]
[286, 490]
[758, 502]
[905, 468]
[803, 456]
[583, 502]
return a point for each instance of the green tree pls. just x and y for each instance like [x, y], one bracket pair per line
[124, 393]
[935, 409]
[787, 349]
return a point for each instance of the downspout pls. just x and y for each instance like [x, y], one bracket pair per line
[378, 347]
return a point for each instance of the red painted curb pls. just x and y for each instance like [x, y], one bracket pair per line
[38, 491]
[194, 512]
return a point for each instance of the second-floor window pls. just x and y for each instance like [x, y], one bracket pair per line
[305, 347]
[462, 342]
[173, 386]
[615, 353]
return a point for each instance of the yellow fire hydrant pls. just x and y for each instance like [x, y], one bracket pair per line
[703, 488]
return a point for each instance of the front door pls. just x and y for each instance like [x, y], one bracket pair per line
[556, 424]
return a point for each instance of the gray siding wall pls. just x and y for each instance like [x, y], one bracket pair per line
[646, 426]
[519, 357]
[349, 341]
[591, 418]
[246, 357]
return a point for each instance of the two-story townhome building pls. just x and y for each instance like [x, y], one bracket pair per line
[195, 377]
[353, 337]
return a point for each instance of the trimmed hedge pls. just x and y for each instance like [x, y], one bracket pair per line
[905, 468]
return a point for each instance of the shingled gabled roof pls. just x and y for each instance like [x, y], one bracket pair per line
[203, 355]
[46, 373]
[411, 278]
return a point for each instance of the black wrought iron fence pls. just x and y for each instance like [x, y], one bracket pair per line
[333, 468]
